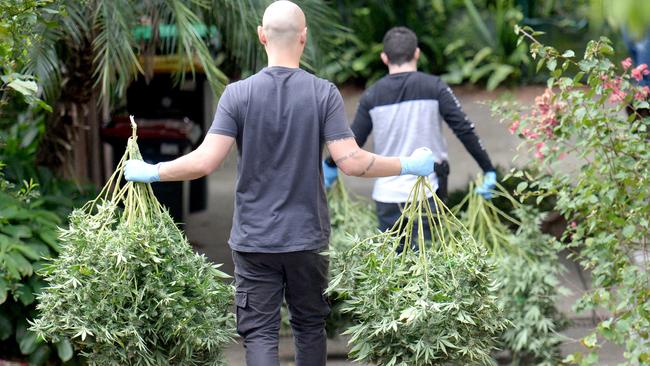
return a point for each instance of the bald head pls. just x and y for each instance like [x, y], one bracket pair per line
[283, 24]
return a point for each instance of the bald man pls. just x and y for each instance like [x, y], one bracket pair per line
[280, 119]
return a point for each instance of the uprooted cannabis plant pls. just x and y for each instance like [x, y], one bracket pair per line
[127, 287]
[528, 269]
[431, 304]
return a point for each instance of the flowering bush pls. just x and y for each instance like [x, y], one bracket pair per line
[603, 189]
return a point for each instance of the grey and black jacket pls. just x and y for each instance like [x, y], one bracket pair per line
[404, 111]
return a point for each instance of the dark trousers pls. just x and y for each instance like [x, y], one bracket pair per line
[261, 281]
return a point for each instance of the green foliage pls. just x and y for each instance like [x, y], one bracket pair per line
[128, 289]
[27, 237]
[429, 306]
[528, 270]
[603, 193]
[19, 138]
[530, 289]
[17, 35]
[28, 230]
[511, 184]
[490, 51]
[632, 15]
[455, 38]
[356, 56]
[94, 43]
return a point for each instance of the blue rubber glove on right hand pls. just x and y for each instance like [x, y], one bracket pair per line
[489, 182]
[139, 171]
[329, 174]
[419, 163]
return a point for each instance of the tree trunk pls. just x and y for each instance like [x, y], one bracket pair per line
[72, 145]
[94, 143]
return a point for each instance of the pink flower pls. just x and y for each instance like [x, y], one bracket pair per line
[543, 101]
[642, 94]
[627, 63]
[617, 96]
[538, 150]
[639, 71]
[562, 156]
[532, 135]
[574, 224]
[513, 127]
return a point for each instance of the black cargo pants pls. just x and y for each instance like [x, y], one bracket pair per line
[261, 281]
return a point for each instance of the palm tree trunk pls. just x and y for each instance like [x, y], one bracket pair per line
[72, 145]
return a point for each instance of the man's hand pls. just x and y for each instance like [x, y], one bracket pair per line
[419, 163]
[489, 182]
[330, 173]
[139, 171]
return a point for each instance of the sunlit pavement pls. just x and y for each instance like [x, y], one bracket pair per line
[209, 230]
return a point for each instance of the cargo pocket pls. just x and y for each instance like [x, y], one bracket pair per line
[241, 299]
[243, 318]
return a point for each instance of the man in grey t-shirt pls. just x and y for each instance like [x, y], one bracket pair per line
[280, 119]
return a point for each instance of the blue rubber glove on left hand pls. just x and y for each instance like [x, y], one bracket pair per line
[139, 171]
[419, 163]
[330, 173]
[489, 182]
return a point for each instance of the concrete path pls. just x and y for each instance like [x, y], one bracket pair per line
[209, 230]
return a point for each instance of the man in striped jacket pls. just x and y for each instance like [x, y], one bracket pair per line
[404, 110]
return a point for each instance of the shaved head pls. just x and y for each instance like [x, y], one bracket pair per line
[283, 23]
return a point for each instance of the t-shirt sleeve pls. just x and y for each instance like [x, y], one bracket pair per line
[225, 118]
[336, 124]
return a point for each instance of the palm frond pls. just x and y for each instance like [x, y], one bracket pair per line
[73, 22]
[189, 43]
[116, 63]
[43, 62]
[237, 21]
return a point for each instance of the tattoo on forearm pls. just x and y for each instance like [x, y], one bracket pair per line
[338, 140]
[372, 162]
[346, 157]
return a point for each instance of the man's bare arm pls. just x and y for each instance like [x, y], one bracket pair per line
[200, 162]
[354, 161]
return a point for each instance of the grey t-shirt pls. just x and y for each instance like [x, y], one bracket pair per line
[281, 118]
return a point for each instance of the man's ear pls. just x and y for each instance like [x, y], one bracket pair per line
[303, 36]
[261, 36]
[416, 55]
[384, 58]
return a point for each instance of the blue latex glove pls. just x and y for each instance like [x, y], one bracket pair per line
[329, 174]
[139, 171]
[419, 163]
[489, 182]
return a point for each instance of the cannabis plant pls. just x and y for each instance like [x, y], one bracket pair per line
[432, 305]
[530, 287]
[127, 287]
[528, 269]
